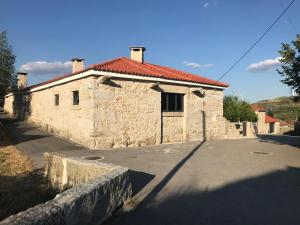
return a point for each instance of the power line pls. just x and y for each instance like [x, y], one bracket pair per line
[257, 41]
[289, 18]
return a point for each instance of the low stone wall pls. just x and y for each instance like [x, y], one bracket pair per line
[233, 130]
[286, 129]
[90, 200]
[250, 129]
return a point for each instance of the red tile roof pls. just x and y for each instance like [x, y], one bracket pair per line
[126, 66]
[270, 119]
[283, 123]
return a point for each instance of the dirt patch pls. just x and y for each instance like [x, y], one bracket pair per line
[21, 186]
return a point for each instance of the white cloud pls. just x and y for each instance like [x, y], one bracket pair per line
[265, 65]
[210, 4]
[196, 65]
[205, 5]
[43, 67]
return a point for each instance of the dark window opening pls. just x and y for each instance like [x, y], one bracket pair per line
[56, 100]
[75, 97]
[171, 102]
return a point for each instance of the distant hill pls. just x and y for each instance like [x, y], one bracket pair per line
[284, 108]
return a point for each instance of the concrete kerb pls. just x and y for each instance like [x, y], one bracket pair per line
[89, 202]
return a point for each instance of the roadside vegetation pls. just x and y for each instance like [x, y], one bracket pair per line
[290, 60]
[283, 108]
[237, 110]
[8, 77]
[21, 186]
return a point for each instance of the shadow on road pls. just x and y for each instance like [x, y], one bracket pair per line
[16, 131]
[272, 198]
[280, 139]
[139, 180]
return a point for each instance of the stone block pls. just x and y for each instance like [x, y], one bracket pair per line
[96, 190]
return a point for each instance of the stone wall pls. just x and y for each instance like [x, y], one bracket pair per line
[262, 126]
[286, 129]
[8, 104]
[88, 201]
[250, 129]
[66, 172]
[213, 108]
[233, 130]
[276, 128]
[172, 127]
[126, 113]
[123, 113]
[73, 122]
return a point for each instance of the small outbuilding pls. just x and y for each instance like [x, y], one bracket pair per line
[123, 102]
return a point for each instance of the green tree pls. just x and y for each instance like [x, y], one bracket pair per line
[236, 110]
[7, 66]
[270, 113]
[290, 59]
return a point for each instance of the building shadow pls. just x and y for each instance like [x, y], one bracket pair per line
[272, 198]
[139, 180]
[280, 140]
[17, 131]
[20, 192]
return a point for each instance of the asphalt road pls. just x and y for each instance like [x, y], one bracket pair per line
[228, 182]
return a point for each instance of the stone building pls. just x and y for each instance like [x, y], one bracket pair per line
[266, 124]
[123, 102]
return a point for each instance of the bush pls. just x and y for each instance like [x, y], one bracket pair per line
[236, 110]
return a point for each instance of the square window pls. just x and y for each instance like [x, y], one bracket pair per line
[56, 99]
[172, 102]
[75, 97]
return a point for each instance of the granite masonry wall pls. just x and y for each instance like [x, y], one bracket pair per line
[172, 129]
[122, 113]
[262, 127]
[73, 122]
[128, 113]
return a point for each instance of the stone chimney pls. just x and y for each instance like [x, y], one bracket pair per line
[137, 53]
[77, 64]
[22, 80]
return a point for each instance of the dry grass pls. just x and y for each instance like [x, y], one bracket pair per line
[21, 186]
[12, 161]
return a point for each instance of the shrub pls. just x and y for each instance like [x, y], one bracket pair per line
[236, 110]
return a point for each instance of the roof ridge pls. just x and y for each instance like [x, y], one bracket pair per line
[190, 75]
[157, 67]
[105, 63]
[128, 66]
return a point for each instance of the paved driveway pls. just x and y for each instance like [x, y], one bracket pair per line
[212, 183]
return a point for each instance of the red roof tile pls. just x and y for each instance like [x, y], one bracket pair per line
[270, 119]
[127, 66]
[284, 123]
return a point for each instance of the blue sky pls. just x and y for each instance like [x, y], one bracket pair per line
[202, 37]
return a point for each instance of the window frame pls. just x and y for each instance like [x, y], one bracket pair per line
[165, 103]
[75, 101]
[56, 99]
